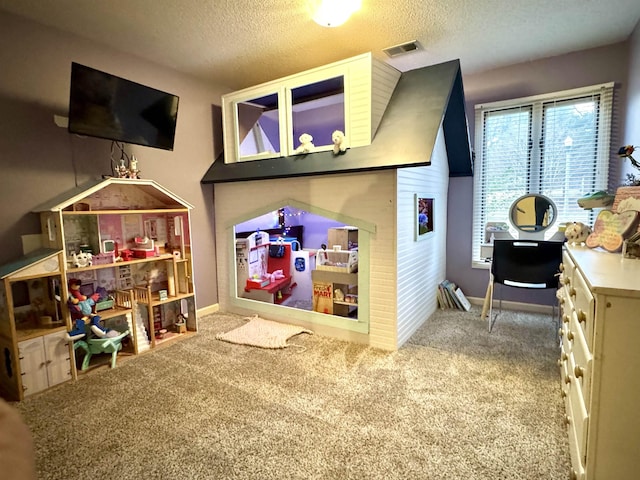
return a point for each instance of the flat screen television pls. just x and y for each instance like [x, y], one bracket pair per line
[105, 106]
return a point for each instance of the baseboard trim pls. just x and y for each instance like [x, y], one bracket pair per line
[208, 310]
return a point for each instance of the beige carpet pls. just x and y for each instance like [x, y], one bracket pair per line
[454, 403]
[258, 332]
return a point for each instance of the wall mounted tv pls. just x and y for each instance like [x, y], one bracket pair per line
[105, 106]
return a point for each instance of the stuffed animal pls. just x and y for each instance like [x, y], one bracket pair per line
[306, 143]
[339, 142]
[275, 275]
[82, 259]
[577, 232]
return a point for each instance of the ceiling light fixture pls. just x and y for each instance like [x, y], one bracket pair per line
[333, 13]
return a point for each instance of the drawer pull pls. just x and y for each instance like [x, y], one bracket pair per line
[570, 336]
[582, 317]
[578, 371]
[565, 318]
[567, 380]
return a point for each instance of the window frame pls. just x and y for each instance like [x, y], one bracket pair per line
[537, 106]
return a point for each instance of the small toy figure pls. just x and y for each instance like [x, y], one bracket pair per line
[339, 142]
[306, 143]
[82, 310]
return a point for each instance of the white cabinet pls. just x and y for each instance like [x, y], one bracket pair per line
[267, 120]
[44, 362]
[600, 300]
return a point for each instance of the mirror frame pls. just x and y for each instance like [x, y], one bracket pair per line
[519, 228]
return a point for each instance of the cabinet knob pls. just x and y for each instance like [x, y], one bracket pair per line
[572, 292]
[564, 356]
[570, 336]
[563, 393]
[567, 420]
[565, 318]
[578, 371]
[582, 317]
[567, 380]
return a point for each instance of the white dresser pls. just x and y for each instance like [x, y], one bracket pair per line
[600, 362]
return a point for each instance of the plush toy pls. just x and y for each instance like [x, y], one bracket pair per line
[306, 143]
[577, 232]
[339, 142]
[275, 275]
[82, 259]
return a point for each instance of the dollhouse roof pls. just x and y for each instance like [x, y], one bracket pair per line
[123, 193]
[40, 261]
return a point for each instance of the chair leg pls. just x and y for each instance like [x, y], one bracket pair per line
[492, 319]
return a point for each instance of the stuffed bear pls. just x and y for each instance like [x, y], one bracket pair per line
[306, 143]
[577, 232]
[339, 142]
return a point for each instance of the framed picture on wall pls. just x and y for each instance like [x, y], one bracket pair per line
[424, 215]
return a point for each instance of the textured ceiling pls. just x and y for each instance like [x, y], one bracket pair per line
[239, 43]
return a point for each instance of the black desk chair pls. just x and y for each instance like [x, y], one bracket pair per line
[523, 264]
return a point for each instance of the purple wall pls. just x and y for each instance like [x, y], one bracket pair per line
[40, 160]
[588, 67]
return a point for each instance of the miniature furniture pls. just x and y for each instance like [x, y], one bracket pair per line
[523, 264]
[599, 299]
[278, 290]
[93, 346]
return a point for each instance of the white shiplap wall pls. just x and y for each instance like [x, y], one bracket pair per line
[420, 265]
[370, 197]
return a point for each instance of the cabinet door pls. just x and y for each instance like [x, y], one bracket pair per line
[56, 348]
[33, 366]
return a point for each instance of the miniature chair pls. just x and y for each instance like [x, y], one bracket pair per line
[110, 345]
[523, 264]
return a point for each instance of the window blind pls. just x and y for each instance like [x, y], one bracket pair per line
[557, 145]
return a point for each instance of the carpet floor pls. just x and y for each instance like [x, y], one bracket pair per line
[455, 402]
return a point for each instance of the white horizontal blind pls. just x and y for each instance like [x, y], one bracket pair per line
[557, 145]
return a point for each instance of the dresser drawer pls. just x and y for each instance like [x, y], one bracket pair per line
[578, 414]
[580, 357]
[567, 267]
[584, 305]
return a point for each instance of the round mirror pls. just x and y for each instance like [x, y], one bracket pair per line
[533, 213]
